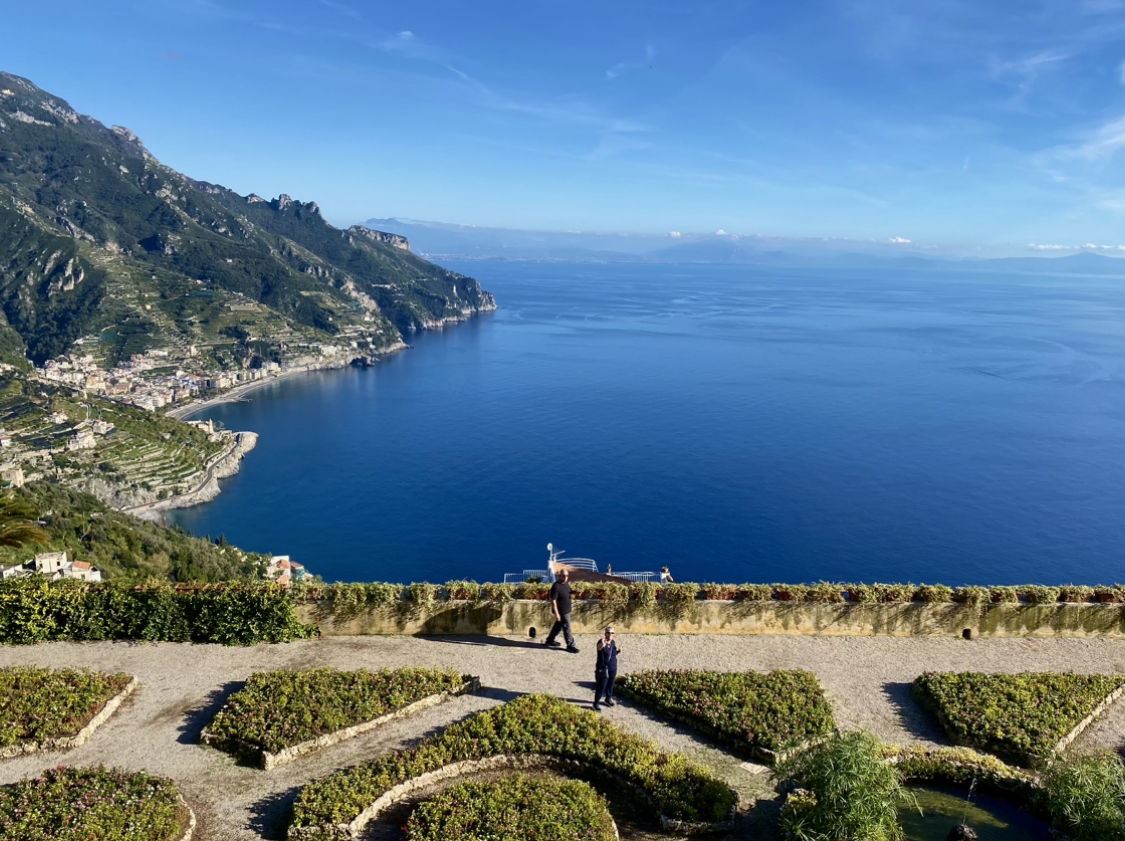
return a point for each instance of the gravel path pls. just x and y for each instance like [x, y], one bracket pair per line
[182, 686]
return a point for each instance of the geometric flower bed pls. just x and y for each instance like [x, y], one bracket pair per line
[678, 788]
[281, 715]
[48, 708]
[753, 712]
[514, 808]
[1021, 717]
[81, 804]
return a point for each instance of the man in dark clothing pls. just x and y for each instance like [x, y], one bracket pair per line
[605, 670]
[560, 604]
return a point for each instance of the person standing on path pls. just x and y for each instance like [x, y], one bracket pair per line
[605, 669]
[560, 604]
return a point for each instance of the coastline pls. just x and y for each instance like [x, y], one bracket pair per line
[235, 395]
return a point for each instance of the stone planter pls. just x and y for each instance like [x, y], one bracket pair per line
[81, 737]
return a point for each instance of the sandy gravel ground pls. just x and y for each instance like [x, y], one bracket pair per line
[182, 686]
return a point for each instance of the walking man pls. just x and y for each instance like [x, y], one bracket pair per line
[560, 604]
[605, 670]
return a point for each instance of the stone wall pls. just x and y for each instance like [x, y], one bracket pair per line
[729, 617]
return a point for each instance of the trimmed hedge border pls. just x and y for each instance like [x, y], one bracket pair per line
[529, 729]
[742, 710]
[983, 711]
[516, 806]
[268, 760]
[34, 610]
[361, 596]
[109, 706]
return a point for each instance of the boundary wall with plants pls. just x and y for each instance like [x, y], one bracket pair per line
[822, 609]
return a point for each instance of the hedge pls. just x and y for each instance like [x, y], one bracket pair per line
[34, 610]
[514, 808]
[38, 705]
[79, 804]
[750, 711]
[653, 596]
[277, 710]
[531, 724]
[1020, 717]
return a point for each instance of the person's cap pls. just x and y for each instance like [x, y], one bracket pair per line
[609, 630]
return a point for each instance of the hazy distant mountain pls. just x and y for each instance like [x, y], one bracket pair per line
[99, 239]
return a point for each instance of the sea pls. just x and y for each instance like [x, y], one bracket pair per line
[734, 423]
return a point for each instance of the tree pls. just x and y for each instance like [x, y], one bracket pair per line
[18, 525]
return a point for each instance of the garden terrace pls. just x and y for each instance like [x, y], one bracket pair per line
[77, 804]
[755, 713]
[514, 808]
[532, 725]
[282, 715]
[1024, 718]
[42, 709]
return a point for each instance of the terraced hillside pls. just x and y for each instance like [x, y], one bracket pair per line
[100, 241]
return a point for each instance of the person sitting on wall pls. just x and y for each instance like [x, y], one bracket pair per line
[666, 577]
[605, 669]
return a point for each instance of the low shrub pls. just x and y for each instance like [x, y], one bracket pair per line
[848, 792]
[825, 592]
[531, 724]
[34, 610]
[755, 592]
[678, 598]
[972, 595]
[514, 808]
[463, 591]
[39, 705]
[719, 592]
[1004, 595]
[935, 593]
[791, 592]
[1086, 797]
[750, 711]
[1038, 594]
[1020, 717]
[422, 594]
[1076, 593]
[1114, 594]
[882, 593]
[644, 593]
[276, 710]
[80, 804]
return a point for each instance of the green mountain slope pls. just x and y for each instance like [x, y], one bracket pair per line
[100, 241]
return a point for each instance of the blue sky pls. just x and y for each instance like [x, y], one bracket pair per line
[954, 121]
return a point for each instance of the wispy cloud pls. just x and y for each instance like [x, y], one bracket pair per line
[623, 67]
[1099, 145]
[348, 11]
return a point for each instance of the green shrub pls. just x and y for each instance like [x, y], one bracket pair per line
[1086, 797]
[755, 592]
[1078, 593]
[645, 594]
[531, 724]
[935, 593]
[37, 705]
[514, 808]
[1004, 595]
[678, 598]
[463, 591]
[850, 793]
[719, 592]
[972, 595]
[1038, 594]
[750, 711]
[1020, 717]
[791, 592]
[1115, 594]
[80, 804]
[825, 592]
[423, 594]
[276, 710]
[34, 610]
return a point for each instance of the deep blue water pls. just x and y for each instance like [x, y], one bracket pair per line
[738, 424]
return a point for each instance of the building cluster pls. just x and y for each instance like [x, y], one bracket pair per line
[284, 571]
[54, 566]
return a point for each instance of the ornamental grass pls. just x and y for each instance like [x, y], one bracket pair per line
[678, 787]
[1019, 717]
[747, 710]
[91, 804]
[277, 710]
[39, 705]
[514, 808]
